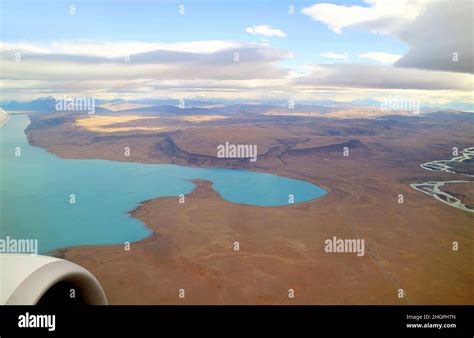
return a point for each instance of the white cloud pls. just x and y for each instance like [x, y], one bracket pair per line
[439, 33]
[91, 61]
[382, 16]
[202, 67]
[337, 56]
[442, 38]
[119, 48]
[381, 57]
[383, 77]
[265, 30]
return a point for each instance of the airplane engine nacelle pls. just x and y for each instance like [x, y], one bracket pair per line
[29, 280]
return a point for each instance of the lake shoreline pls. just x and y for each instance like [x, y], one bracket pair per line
[130, 183]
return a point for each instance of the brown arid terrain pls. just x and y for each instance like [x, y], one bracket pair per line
[408, 243]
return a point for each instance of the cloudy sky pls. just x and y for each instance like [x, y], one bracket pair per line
[254, 50]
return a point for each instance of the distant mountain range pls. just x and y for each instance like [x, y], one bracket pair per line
[355, 108]
[49, 102]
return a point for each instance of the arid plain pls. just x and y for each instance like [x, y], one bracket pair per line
[409, 245]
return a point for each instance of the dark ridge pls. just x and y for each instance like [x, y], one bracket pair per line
[127, 136]
[338, 147]
[291, 142]
[360, 131]
[49, 122]
[169, 148]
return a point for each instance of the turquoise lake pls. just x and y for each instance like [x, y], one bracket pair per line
[35, 191]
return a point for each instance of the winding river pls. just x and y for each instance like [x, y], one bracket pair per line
[433, 188]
